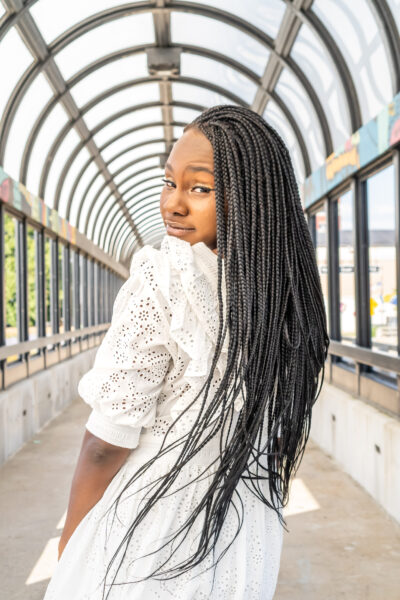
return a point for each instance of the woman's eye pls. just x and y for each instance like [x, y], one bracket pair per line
[203, 189]
[166, 181]
[206, 190]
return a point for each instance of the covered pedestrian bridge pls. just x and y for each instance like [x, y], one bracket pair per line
[92, 98]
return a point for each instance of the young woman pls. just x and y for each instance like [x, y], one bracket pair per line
[202, 389]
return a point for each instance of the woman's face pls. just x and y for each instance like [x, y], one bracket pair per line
[188, 197]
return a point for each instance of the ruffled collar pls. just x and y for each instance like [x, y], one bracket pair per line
[182, 254]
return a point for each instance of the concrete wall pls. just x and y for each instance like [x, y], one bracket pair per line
[364, 441]
[28, 405]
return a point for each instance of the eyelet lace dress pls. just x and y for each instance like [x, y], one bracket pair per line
[152, 362]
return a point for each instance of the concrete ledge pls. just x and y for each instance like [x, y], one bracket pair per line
[29, 404]
[364, 441]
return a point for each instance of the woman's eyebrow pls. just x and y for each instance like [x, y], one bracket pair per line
[192, 168]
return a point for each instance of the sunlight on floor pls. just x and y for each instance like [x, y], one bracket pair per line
[301, 500]
[46, 564]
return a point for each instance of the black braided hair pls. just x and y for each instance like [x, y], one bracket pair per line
[276, 322]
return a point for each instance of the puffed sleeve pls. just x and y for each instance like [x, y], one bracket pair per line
[130, 364]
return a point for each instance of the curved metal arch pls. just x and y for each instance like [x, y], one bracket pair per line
[115, 219]
[115, 56]
[115, 90]
[126, 111]
[94, 201]
[125, 258]
[91, 233]
[229, 19]
[100, 236]
[127, 253]
[145, 143]
[309, 17]
[80, 146]
[151, 222]
[112, 247]
[156, 230]
[121, 238]
[129, 189]
[297, 133]
[71, 160]
[106, 16]
[8, 20]
[137, 203]
[115, 222]
[106, 199]
[104, 184]
[391, 39]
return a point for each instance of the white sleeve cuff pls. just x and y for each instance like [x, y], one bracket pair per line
[118, 435]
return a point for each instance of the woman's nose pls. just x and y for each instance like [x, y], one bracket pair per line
[174, 199]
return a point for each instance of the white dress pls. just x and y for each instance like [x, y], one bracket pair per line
[150, 365]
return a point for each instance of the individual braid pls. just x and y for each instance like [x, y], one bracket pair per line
[275, 320]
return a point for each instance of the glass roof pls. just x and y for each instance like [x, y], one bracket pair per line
[88, 129]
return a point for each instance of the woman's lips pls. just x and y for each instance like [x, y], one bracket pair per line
[178, 230]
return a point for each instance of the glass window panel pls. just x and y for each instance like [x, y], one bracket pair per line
[357, 35]
[223, 38]
[103, 191]
[12, 70]
[148, 199]
[72, 288]
[10, 281]
[110, 37]
[184, 115]
[141, 175]
[33, 102]
[47, 286]
[83, 299]
[32, 295]
[275, 117]
[185, 92]
[112, 74]
[96, 185]
[153, 179]
[155, 223]
[100, 216]
[267, 16]
[382, 260]
[139, 204]
[125, 141]
[135, 154]
[54, 18]
[138, 94]
[347, 306]
[61, 276]
[218, 73]
[113, 219]
[2, 10]
[321, 251]
[47, 134]
[80, 160]
[132, 119]
[78, 196]
[297, 101]
[70, 141]
[319, 68]
[148, 149]
[121, 241]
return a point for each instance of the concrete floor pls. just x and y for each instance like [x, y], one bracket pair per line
[340, 545]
